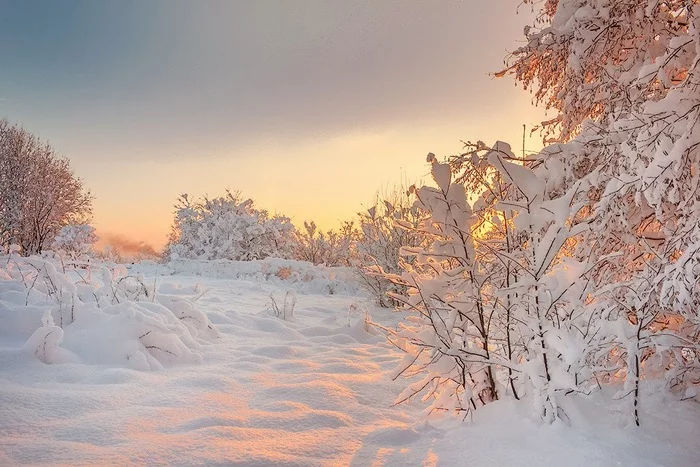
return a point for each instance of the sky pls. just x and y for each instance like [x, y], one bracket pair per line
[307, 107]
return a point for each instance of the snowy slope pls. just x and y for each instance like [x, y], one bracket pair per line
[310, 390]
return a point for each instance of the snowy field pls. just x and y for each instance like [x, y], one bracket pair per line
[249, 387]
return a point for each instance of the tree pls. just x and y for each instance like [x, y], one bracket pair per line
[590, 249]
[495, 301]
[622, 79]
[39, 193]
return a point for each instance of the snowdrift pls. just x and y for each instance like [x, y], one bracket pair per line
[99, 315]
[318, 384]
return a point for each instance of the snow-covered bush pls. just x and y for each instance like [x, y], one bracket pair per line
[387, 227]
[332, 248]
[75, 240]
[100, 315]
[227, 227]
[373, 248]
[492, 296]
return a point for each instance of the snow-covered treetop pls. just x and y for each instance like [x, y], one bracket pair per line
[595, 59]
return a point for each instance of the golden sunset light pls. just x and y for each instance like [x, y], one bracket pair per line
[299, 180]
[349, 233]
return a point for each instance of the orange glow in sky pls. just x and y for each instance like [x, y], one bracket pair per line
[326, 180]
[308, 108]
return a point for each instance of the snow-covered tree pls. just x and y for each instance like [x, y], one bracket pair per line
[495, 301]
[447, 338]
[622, 79]
[591, 248]
[227, 227]
[39, 193]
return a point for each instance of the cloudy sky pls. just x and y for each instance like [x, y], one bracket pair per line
[308, 107]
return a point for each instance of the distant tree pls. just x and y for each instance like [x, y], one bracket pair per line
[119, 249]
[39, 193]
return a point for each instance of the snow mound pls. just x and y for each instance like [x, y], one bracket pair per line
[309, 391]
[96, 316]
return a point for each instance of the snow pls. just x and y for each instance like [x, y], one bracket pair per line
[314, 389]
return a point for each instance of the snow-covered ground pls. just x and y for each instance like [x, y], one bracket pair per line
[313, 389]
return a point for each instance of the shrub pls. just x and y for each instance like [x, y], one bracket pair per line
[227, 227]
